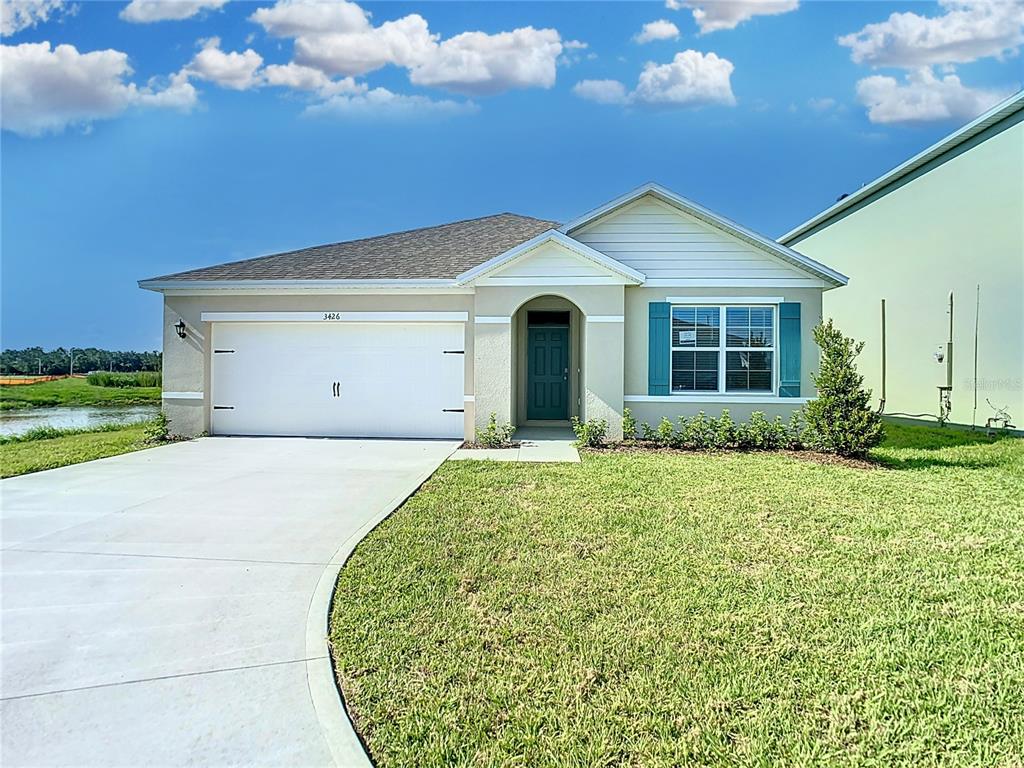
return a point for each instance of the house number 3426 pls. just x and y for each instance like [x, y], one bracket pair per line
[332, 315]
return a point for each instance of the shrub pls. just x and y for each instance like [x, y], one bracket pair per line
[590, 433]
[121, 380]
[666, 434]
[840, 420]
[723, 432]
[628, 425]
[495, 435]
[159, 429]
[760, 434]
[699, 434]
[648, 433]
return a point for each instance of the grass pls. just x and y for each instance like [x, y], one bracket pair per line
[119, 379]
[48, 448]
[664, 609]
[74, 392]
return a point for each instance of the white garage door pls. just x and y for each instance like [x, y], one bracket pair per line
[340, 379]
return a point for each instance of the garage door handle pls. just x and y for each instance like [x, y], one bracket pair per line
[454, 352]
[453, 410]
[336, 389]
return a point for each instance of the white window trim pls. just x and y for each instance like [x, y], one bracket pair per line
[723, 349]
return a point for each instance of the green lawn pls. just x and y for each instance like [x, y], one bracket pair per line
[74, 392]
[19, 457]
[683, 609]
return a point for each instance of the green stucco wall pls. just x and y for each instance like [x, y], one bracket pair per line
[954, 228]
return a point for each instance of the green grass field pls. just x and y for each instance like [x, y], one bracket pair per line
[19, 456]
[647, 609]
[74, 392]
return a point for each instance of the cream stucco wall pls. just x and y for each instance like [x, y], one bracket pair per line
[673, 406]
[609, 356]
[601, 349]
[954, 228]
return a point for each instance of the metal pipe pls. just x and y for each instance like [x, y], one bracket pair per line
[881, 404]
[977, 313]
[949, 346]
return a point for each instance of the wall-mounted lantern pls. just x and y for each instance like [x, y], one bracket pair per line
[180, 328]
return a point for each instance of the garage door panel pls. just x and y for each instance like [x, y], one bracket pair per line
[338, 379]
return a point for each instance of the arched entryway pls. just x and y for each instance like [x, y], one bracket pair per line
[547, 361]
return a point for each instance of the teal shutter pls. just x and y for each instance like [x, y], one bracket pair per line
[789, 349]
[659, 329]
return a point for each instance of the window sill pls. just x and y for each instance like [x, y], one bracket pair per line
[716, 397]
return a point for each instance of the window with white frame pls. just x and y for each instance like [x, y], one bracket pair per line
[704, 359]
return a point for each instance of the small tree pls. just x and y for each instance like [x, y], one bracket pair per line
[840, 420]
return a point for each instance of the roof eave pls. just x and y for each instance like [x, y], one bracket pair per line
[160, 285]
[996, 114]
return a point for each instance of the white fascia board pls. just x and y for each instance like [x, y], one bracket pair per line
[724, 299]
[556, 236]
[737, 282]
[280, 286]
[688, 206]
[329, 316]
[999, 112]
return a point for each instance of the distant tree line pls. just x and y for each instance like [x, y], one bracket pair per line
[36, 360]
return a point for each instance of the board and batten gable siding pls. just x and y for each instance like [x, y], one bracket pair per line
[550, 262]
[665, 243]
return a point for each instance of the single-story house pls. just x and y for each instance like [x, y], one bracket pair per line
[949, 220]
[649, 301]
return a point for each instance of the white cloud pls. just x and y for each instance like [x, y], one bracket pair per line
[923, 97]
[967, 31]
[382, 103]
[821, 105]
[713, 15]
[404, 42]
[690, 79]
[478, 63]
[657, 30]
[300, 78]
[338, 38]
[16, 15]
[147, 11]
[234, 70]
[47, 90]
[292, 18]
[601, 91]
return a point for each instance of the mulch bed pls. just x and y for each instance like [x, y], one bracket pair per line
[814, 457]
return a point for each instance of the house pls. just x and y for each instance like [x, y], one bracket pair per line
[649, 302]
[948, 220]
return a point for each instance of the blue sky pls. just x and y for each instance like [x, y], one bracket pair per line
[150, 144]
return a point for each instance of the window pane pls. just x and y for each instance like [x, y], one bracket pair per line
[707, 326]
[695, 326]
[748, 371]
[737, 326]
[693, 371]
[749, 327]
[684, 328]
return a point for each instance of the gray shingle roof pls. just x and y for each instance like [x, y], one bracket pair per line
[441, 252]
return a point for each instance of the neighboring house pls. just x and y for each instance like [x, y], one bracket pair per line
[948, 219]
[649, 302]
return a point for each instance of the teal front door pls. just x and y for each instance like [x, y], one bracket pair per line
[547, 372]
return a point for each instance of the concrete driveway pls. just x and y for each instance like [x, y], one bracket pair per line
[168, 607]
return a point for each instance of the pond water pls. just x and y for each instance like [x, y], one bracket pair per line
[19, 421]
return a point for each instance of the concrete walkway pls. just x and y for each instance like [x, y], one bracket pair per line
[535, 444]
[168, 607]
